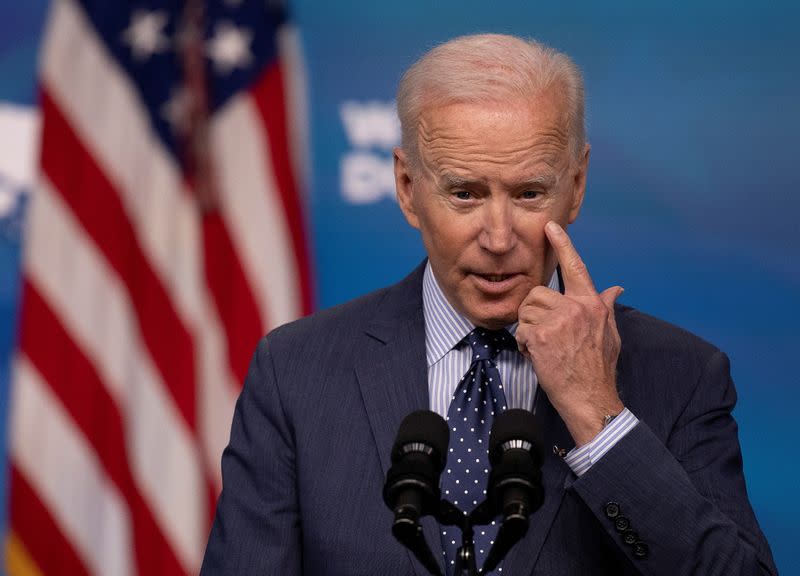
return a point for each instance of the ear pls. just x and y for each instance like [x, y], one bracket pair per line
[404, 186]
[579, 185]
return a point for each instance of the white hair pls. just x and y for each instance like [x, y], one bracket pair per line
[485, 68]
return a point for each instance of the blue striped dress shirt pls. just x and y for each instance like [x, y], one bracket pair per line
[448, 360]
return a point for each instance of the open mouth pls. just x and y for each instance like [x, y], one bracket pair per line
[496, 283]
[495, 277]
[495, 286]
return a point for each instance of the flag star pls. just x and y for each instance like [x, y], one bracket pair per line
[176, 110]
[230, 48]
[145, 34]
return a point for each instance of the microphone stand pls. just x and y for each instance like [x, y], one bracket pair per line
[513, 527]
[411, 490]
[465, 557]
[450, 515]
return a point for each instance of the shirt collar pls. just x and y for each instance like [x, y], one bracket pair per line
[445, 327]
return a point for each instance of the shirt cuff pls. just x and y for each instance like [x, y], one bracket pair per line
[581, 459]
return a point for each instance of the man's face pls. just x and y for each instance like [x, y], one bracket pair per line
[489, 178]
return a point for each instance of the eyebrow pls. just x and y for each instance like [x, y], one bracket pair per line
[544, 181]
[451, 181]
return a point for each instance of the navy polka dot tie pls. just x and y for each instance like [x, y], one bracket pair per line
[477, 398]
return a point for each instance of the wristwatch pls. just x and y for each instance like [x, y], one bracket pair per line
[608, 418]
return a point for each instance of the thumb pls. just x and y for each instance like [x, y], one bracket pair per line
[610, 295]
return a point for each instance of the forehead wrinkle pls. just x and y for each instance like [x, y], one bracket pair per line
[454, 154]
[552, 141]
[455, 150]
[454, 167]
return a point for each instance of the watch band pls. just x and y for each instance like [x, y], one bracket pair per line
[608, 418]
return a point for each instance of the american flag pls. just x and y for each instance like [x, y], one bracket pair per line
[165, 236]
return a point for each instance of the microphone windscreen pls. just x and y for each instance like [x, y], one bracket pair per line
[423, 427]
[514, 425]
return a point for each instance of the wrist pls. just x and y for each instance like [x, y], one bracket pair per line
[586, 426]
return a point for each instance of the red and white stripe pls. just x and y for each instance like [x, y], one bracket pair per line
[140, 313]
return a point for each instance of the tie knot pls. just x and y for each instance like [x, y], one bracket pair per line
[487, 344]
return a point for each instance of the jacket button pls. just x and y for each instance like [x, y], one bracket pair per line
[612, 510]
[621, 523]
[630, 537]
[640, 549]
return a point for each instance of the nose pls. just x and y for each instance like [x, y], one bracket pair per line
[497, 234]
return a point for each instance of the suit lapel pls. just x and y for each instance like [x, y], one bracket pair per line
[392, 374]
[522, 557]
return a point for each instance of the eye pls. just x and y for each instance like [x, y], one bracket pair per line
[462, 194]
[530, 194]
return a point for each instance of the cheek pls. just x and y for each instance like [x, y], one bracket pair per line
[446, 233]
[536, 252]
[441, 246]
[531, 232]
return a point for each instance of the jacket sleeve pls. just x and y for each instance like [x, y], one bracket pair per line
[681, 503]
[256, 529]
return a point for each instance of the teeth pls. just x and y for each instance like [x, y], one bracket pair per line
[497, 278]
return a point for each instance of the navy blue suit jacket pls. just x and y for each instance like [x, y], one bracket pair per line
[313, 429]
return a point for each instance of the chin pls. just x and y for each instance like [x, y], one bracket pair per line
[488, 311]
[495, 321]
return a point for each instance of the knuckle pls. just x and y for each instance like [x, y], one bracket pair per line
[526, 314]
[540, 338]
[595, 308]
[576, 311]
[529, 299]
[576, 264]
[538, 291]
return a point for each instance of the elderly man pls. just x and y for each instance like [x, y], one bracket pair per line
[642, 472]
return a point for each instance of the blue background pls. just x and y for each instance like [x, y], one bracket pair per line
[693, 189]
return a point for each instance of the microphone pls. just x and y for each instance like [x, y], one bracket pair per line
[515, 481]
[412, 490]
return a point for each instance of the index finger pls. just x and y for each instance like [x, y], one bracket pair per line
[573, 270]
